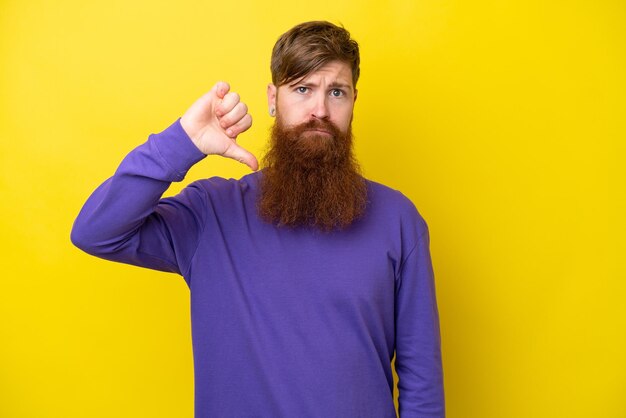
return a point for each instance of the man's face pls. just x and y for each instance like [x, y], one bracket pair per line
[325, 95]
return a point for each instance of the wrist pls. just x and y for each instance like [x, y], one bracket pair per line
[177, 148]
[191, 133]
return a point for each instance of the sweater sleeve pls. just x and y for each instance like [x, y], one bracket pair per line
[126, 220]
[418, 343]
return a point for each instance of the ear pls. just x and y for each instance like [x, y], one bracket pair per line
[355, 94]
[271, 99]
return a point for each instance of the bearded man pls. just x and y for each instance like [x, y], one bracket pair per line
[305, 278]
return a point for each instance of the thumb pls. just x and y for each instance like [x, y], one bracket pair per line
[242, 155]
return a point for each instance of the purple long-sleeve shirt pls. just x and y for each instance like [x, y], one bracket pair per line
[286, 322]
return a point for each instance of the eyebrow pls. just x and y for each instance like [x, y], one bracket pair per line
[334, 84]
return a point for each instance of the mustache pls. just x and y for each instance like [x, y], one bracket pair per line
[318, 125]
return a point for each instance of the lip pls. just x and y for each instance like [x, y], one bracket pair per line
[322, 131]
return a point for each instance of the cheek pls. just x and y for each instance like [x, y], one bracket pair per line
[344, 119]
[291, 117]
[291, 113]
[298, 114]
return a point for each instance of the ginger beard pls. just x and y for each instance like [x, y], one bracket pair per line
[311, 178]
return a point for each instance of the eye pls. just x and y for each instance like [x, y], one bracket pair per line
[336, 92]
[302, 89]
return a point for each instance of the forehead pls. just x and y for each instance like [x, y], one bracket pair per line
[333, 72]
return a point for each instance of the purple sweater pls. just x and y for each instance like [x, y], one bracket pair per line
[285, 322]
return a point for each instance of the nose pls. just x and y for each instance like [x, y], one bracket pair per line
[320, 107]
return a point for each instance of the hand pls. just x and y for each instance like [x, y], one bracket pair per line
[214, 121]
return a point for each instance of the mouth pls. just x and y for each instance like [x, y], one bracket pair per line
[319, 131]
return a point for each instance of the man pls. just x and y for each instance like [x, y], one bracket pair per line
[304, 277]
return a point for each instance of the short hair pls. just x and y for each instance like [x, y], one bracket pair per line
[309, 46]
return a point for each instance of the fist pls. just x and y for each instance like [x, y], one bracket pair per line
[215, 120]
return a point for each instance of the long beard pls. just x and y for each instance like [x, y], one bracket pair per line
[311, 179]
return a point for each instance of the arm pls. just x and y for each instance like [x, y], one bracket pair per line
[418, 344]
[125, 218]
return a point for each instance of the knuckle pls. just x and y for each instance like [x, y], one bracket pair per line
[245, 122]
[227, 120]
[233, 97]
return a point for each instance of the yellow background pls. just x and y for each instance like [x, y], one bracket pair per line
[502, 121]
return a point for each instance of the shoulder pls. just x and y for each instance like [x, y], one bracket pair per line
[227, 198]
[226, 194]
[388, 195]
[219, 185]
[393, 205]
